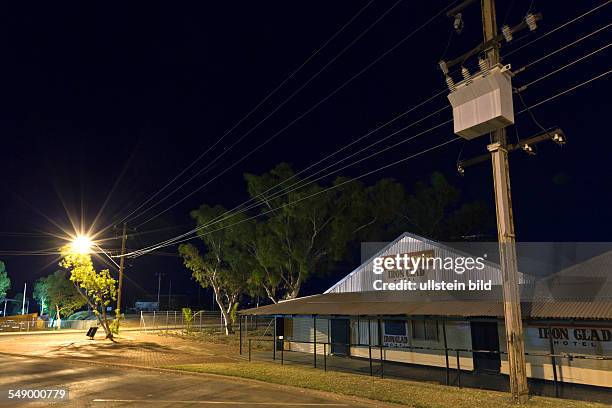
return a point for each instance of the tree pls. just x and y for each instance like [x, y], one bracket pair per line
[224, 267]
[304, 230]
[97, 288]
[59, 295]
[5, 281]
[40, 294]
[434, 211]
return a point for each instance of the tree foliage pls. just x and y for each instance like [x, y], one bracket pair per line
[98, 288]
[5, 281]
[435, 211]
[295, 229]
[303, 231]
[58, 294]
[225, 266]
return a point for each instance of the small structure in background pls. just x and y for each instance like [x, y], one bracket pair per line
[143, 306]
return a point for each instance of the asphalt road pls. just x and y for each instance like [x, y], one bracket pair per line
[100, 386]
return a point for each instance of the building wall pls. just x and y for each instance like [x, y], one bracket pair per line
[302, 330]
[580, 371]
[362, 279]
[458, 334]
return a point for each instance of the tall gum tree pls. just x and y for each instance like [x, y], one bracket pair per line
[224, 266]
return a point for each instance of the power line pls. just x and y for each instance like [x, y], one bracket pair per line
[584, 37]
[182, 238]
[286, 189]
[283, 190]
[546, 34]
[218, 218]
[522, 88]
[142, 252]
[24, 234]
[289, 98]
[544, 57]
[244, 157]
[287, 79]
[170, 241]
[566, 91]
[304, 181]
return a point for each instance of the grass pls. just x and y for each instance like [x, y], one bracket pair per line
[216, 337]
[410, 393]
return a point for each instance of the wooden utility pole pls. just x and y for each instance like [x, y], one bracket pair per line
[121, 266]
[515, 342]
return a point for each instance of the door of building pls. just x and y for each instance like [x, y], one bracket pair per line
[340, 337]
[485, 337]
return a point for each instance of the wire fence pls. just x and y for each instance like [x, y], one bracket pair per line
[175, 319]
[37, 324]
[375, 361]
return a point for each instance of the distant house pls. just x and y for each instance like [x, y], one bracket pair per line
[568, 313]
[145, 306]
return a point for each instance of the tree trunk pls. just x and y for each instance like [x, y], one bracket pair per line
[58, 318]
[270, 294]
[104, 322]
[94, 308]
[227, 323]
[294, 289]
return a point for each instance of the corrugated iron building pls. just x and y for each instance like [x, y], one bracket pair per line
[567, 318]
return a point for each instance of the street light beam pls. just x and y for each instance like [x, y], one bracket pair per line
[81, 244]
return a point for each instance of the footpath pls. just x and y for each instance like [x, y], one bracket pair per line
[132, 348]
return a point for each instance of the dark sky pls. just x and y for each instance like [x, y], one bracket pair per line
[109, 101]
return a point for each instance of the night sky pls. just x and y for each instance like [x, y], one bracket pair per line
[104, 103]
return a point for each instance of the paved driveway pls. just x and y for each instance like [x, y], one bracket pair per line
[92, 385]
[99, 373]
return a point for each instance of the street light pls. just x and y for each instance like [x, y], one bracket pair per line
[81, 244]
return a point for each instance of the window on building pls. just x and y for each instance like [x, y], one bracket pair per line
[395, 327]
[425, 329]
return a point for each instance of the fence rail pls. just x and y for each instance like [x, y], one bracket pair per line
[175, 319]
[377, 355]
[9, 325]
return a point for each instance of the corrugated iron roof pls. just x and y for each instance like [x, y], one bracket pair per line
[537, 303]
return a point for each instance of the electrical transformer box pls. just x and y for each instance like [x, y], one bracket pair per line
[483, 102]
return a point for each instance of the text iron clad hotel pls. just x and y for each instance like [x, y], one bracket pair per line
[417, 325]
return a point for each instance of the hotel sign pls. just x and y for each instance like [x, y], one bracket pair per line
[390, 340]
[584, 337]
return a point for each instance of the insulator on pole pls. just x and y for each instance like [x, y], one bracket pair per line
[466, 73]
[450, 83]
[528, 149]
[458, 23]
[507, 32]
[483, 64]
[531, 21]
[443, 67]
[559, 139]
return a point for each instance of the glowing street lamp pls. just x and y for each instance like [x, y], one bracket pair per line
[81, 244]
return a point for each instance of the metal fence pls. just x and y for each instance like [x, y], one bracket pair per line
[10, 325]
[376, 364]
[174, 319]
[143, 321]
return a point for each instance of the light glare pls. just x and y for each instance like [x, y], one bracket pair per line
[82, 244]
